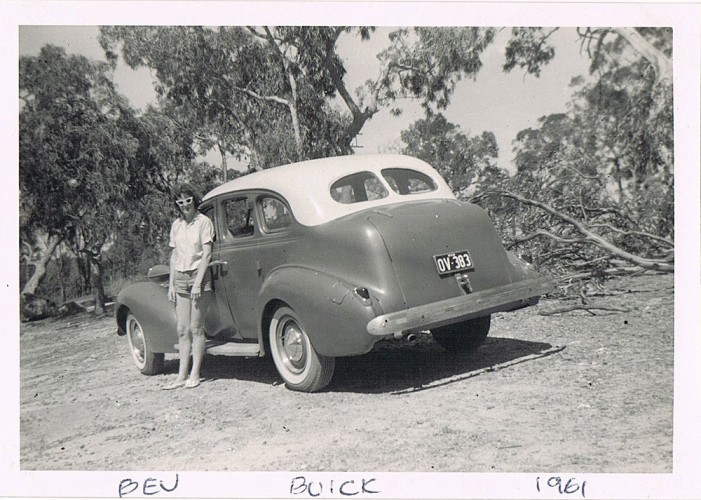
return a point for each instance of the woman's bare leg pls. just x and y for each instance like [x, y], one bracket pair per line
[183, 306]
[197, 315]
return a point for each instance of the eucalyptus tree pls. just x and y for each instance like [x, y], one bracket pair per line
[79, 145]
[463, 161]
[594, 188]
[237, 84]
[165, 158]
[242, 83]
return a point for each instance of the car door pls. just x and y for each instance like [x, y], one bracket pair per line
[277, 236]
[234, 263]
[218, 319]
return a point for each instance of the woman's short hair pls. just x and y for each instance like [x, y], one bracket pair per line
[188, 190]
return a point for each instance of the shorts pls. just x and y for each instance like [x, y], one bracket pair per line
[185, 279]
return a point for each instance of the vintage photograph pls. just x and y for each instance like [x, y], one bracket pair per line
[336, 249]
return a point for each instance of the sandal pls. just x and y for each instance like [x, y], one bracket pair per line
[174, 385]
[192, 383]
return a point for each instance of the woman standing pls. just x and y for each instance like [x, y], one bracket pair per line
[190, 285]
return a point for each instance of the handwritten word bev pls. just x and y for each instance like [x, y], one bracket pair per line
[300, 485]
[564, 488]
[151, 486]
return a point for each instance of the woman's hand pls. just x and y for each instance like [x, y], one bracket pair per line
[171, 293]
[196, 292]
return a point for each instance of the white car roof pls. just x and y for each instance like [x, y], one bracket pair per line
[306, 185]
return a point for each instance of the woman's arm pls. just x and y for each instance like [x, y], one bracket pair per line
[171, 278]
[201, 270]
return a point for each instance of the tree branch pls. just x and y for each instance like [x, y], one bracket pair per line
[635, 233]
[588, 308]
[660, 62]
[268, 98]
[548, 234]
[359, 117]
[589, 235]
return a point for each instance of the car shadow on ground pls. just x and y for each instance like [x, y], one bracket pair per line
[394, 367]
[424, 364]
[258, 370]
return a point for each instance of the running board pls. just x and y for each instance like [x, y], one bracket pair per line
[219, 348]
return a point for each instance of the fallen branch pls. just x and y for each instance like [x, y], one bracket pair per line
[590, 308]
[614, 271]
[588, 236]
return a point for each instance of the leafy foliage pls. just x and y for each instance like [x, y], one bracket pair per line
[252, 91]
[260, 90]
[426, 63]
[528, 49]
[607, 163]
[465, 162]
[91, 171]
[96, 176]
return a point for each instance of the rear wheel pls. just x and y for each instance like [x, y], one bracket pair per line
[300, 366]
[464, 336]
[148, 362]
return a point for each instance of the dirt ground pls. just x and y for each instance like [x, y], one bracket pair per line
[572, 391]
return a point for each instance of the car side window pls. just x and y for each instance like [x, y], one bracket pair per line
[276, 215]
[362, 186]
[238, 217]
[407, 181]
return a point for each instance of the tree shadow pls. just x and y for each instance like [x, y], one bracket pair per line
[394, 367]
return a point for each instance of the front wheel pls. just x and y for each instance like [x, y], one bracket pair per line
[149, 363]
[464, 336]
[300, 366]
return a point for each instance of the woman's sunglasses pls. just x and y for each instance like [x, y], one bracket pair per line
[186, 201]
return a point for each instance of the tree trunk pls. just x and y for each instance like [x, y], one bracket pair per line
[659, 61]
[96, 273]
[83, 261]
[294, 113]
[224, 166]
[40, 270]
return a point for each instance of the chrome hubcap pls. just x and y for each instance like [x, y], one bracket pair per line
[138, 343]
[292, 346]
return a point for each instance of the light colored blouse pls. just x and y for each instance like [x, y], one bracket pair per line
[188, 239]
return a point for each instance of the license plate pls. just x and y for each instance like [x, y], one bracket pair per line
[453, 262]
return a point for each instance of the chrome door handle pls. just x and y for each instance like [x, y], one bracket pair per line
[215, 263]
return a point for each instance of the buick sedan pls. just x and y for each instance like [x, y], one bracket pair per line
[325, 258]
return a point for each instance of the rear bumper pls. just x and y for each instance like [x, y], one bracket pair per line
[501, 298]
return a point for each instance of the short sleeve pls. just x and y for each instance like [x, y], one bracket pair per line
[206, 230]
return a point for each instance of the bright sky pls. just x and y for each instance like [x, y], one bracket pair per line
[496, 101]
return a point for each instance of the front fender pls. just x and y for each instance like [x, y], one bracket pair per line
[148, 301]
[331, 312]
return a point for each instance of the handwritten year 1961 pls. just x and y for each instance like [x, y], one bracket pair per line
[556, 483]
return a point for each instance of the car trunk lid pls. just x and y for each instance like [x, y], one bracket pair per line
[416, 233]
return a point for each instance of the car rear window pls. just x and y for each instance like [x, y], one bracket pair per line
[354, 188]
[276, 216]
[407, 181]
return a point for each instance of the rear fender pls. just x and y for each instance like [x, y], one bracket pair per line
[149, 303]
[520, 269]
[331, 312]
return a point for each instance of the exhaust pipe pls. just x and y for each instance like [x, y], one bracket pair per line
[409, 337]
